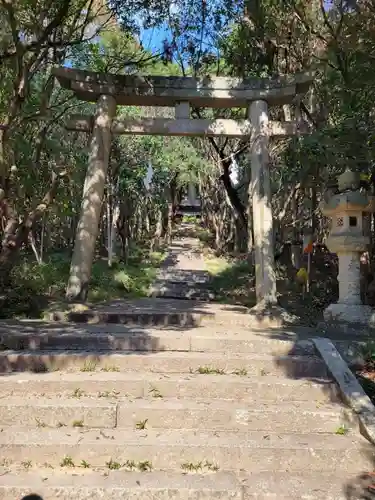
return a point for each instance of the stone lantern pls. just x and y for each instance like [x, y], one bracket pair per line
[349, 238]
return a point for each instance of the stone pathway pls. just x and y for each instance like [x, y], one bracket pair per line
[183, 273]
[194, 402]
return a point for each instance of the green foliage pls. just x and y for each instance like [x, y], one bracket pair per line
[232, 280]
[189, 219]
[35, 286]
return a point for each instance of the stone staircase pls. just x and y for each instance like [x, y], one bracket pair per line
[210, 411]
[157, 399]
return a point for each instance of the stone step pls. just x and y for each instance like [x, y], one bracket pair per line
[118, 485]
[164, 362]
[222, 387]
[52, 336]
[170, 449]
[107, 411]
[153, 311]
[180, 282]
[152, 318]
[169, 291]
[138, 339]
[184, 276]
[40, 335]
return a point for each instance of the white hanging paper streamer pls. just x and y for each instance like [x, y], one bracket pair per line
[234, 172]
[148, 178]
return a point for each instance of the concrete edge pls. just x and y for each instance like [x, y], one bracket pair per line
[350, 389]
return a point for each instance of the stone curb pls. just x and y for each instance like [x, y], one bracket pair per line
[349, 387]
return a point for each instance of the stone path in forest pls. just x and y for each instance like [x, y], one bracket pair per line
[183, 274]
[171, 398]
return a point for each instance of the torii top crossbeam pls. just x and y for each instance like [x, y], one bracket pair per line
[209, 91]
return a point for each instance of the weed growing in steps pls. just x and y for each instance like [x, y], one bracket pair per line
[241, 372]
[67, 462]
[40, 423]
[210, 370]
[142, 466]
[108, 394]
[131, 465]
[77, 423]
[113, 465]
[342, 430]
[78, 393]
[141, 425]
[199, 466]
[89, 366]
[155, 393]
[110, 368]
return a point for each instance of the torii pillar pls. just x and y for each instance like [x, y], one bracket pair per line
[260, 193]
[93, 192]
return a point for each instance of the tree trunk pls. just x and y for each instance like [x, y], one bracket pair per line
[16, 234]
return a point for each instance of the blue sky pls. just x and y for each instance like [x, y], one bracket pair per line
[152, 39]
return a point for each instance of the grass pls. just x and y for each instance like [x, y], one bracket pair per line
[113, 465]
[209, 370]
[155, 393]
[40, 423]
[190, 219]
[108, 394]
[40, 288]
[142, 466]
[199, 466]
[232, 280]
[241, 372]
[67, 462]
[78, 393]
[110, 368]
[89, 366]
[342, 430]
[78, 423]
[141, 425]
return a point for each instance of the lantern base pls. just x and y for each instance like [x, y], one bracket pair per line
[354, 314]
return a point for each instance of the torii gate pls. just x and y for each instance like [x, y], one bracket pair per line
[110, 91]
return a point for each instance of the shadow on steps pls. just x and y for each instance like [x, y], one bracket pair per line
[362, 487]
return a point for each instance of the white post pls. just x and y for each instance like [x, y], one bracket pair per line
[260, 189]
[93, 191]
[349, 278]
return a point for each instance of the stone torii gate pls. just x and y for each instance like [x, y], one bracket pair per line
[110, 91]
